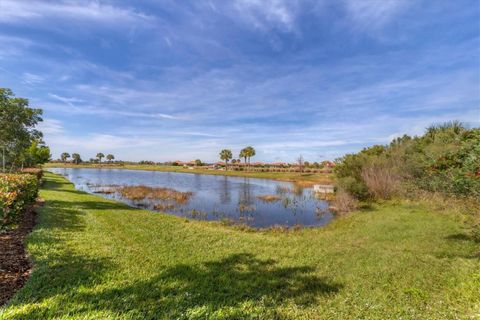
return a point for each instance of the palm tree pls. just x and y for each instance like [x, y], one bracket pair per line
[100, 156]
[110, 157]
[243, 154]
[64, 156]
[250, 153]
[76, 158]
[226, 155]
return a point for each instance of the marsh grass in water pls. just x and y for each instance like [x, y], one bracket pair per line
[243, 207]
[105, 190]
[296, 189]
[156, 193]
[164, 206]
[197, 214]
[269, 198]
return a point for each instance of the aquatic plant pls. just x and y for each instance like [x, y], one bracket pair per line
[242, 207]
[105, 190]
[144, 192]
[282, 190]
[297, 190]
[269, 198]
[164, 206]
[197, 214]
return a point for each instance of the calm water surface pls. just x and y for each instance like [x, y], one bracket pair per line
[214, 197]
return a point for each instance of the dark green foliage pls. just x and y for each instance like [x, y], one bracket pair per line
[349, 170]
[64, 156]
[17, 128]
[100, 156]
[445, 159]
[76, 158]
[37, 154]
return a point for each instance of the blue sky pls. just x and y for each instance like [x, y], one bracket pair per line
[166, 80]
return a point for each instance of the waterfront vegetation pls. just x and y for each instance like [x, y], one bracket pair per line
[305, 178]
[96, 258]
[406, 243]
[445, 159]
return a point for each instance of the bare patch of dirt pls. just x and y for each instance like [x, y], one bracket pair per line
[15, 265]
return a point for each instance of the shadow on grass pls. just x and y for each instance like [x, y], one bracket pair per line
[463, 237]
[54, 182]
[225, 284]
[239, 286]
[464, 254]
[101, 204]
[58, 269]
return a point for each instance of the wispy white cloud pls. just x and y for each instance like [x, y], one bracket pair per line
[373, 14]
[68, 101]
[276, 74]
[13, 11]
[30, 78]
[265, 13]
[51, 126]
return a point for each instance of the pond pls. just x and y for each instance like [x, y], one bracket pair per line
[259, 203]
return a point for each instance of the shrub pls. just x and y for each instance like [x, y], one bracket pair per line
[344, 202]
[355, 187]
[17, 191]
[445, 159]
[35, 171]
[381, 180]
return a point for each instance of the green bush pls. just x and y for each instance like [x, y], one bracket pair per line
[17, 192]
[445, 159]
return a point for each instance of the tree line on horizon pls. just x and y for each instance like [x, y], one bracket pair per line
[77, 159]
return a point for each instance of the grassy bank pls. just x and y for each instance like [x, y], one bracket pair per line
[304, 178]
[95, 258]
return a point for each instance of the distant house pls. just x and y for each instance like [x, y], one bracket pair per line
[217, 165]
[279, 164]
[328, 164]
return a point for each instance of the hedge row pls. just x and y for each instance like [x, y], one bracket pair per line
[17, 192]
[36, 171]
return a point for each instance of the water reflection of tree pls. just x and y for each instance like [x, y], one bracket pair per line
[245, 196]
[197, 182]
[246, 202]
[225, 192]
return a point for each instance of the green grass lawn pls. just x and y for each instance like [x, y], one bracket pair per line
[283, 176]
[99, 259]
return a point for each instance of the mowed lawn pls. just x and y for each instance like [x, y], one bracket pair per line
[99, 259]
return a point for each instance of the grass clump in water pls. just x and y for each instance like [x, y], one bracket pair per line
[269, 198]
[144, 192]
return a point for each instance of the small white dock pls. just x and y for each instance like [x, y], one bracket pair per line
[323, 188]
